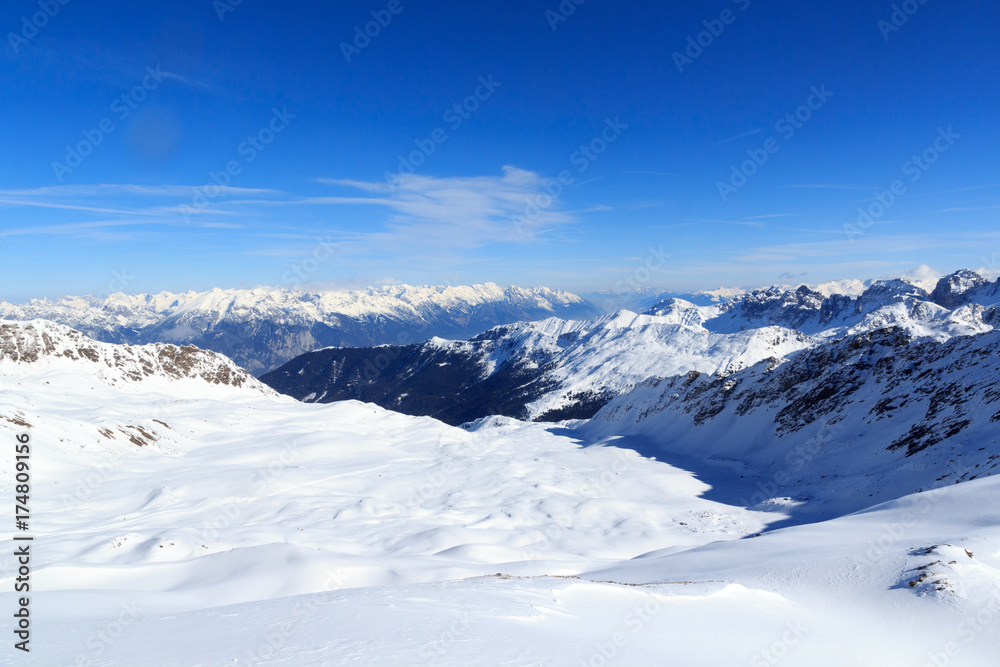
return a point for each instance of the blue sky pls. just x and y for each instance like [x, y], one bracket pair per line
[584, 150]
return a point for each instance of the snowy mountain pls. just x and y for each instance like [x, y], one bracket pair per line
[837, 427]
[43, 349]
[642, 298]
[556, 369]
[549, 370]
[236, 526]
[961, 304]
[262, 328]
[964, 288]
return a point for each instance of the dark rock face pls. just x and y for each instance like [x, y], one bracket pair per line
[953, 291]
[447, 383]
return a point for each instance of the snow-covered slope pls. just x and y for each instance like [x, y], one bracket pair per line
[43, 349]
[168, 503]
[246, 528]
[549, 370]
[264, 327]
[837, 427]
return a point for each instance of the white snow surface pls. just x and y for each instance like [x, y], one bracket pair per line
[183, 521]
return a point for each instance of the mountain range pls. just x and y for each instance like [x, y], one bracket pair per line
[564, 369]
[263, 328]
[832, 502]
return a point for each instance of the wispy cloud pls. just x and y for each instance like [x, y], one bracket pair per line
[830, 186]
[358, 185]
[653, 173]
[118, 189]
[756, 130]
[186, 80]
[72, 207]
[744, 223]
[462, 212]
[834, 251]
[966, 189]
[966, 209]
[641, 206]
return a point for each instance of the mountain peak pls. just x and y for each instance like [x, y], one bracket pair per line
[29, 348]
[953, 290]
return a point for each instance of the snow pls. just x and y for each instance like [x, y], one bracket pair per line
[184, 520]
[256, 499]
[208, 308]
[264, 531]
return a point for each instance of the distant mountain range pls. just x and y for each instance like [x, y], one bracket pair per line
[263, 328]
[558, 369]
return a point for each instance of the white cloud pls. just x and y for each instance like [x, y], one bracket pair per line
[466, 212]
[118, 189]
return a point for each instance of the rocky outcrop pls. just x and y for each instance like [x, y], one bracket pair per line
[41, 343]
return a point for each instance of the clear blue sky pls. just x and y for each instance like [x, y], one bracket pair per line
[134, 211]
